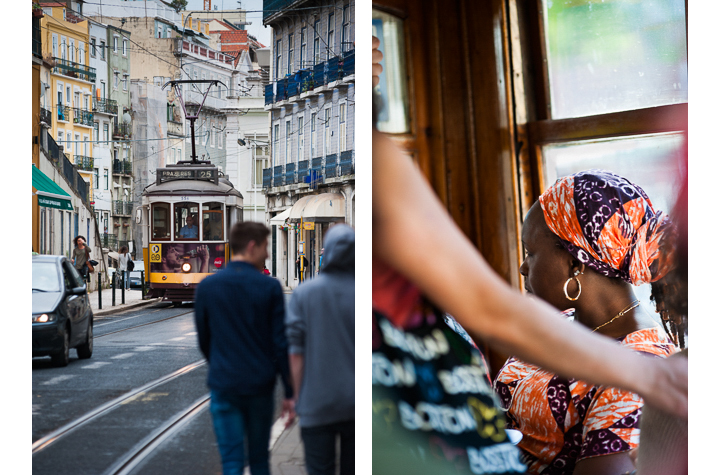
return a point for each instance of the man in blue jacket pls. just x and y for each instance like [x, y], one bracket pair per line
[239, 314]
[321, 335]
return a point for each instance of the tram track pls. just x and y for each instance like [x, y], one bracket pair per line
[109, 406]
[137, 326]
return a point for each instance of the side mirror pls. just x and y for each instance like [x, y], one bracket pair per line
[139, 215]
[78, 290]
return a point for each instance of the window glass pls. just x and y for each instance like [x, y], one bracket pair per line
[613, 55]
[212, 222]
[161, 221]
[391, 92]
[45, 277]
[186, 221]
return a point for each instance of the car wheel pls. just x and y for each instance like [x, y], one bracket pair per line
[86, 349]
[62, 358]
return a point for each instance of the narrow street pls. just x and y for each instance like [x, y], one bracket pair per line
[139, 405]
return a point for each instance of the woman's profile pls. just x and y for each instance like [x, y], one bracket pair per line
[587, 240]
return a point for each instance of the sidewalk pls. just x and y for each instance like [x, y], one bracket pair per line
[133, 299]
[286, 450]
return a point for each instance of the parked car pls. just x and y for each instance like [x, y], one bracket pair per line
[134, 280]
[61, 313]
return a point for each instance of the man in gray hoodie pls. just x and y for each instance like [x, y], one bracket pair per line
[321, 333]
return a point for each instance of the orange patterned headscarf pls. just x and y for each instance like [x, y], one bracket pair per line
[609, 224]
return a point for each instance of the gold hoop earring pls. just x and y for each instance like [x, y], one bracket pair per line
[579, 284]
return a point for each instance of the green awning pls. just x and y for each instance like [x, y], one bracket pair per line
[49, 194]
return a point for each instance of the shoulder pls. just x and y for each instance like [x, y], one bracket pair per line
[652, 341]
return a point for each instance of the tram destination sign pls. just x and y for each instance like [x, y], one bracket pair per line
[202, 173]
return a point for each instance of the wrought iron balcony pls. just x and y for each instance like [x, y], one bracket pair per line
[83, 117]
[83, 162]
[63, 113]
[109, 240]
[122, 167]
[290, 175]
[277, 176]
[331, 165]
[122, 208]
[346, 163]
[108, 106]
[266, 178]
[302, 172]
[75, 70]
[121, 130]
[45, 115]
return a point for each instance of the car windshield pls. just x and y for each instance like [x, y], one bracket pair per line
[45, 277]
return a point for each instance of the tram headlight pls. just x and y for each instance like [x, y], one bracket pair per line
[43, 318]
[186, 267]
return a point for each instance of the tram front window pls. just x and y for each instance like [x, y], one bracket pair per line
[212, 222]
[161, 221]
[186, 222]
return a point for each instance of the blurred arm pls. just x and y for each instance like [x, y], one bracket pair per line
[456, 277]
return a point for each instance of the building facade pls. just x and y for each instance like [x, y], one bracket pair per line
[310, 183]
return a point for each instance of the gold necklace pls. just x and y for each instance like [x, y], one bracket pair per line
[633, 305]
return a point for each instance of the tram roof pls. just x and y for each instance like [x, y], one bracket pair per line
[196, 187]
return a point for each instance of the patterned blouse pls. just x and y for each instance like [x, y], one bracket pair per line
[565, 420]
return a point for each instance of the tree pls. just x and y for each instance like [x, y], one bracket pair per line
[178, 5]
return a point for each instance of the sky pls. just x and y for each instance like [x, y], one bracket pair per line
[256, 29]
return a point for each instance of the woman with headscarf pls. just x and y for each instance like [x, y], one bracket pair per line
[432, 409]
[588, 240]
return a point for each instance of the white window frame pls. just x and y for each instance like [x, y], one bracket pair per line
[72, 48]
[81, 51]
[115, 80]
[115, 44]
[314, 134]
[63, 47]
[125, 46]
[276, 141]
[102, 50]
[55, 45]
[125, 81]
[291, 58]
[327, 117]
[288, 141]
[86, 145]
[92, 47]
[301, 138]
[316, 43]
[304, 47]
[213, 132]
[331, 35]
[342, 126]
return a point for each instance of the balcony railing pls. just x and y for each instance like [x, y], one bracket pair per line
[63, 113]
[121, 130]
[109, 240]
[83, 162]
[335, 68]
[45, 115]
[75, 70]
[108, 106]
[83, 117]
[332, 166]
[122, 208]
[122, 167]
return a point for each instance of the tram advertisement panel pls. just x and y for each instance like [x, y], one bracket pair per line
[202, 257]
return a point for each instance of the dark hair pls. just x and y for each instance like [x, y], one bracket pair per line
[670, 294]
[77, 238]
[242, 233]
[123, 249]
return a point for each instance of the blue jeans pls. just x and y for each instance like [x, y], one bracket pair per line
[235, 417]
[319, 448]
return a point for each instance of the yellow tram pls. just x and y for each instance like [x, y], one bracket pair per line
[186, 215]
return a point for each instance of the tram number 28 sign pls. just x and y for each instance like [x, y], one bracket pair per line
[155, 254]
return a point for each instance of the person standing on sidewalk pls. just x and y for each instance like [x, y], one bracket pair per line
[320, 326]
[239, 314]
[123, 258]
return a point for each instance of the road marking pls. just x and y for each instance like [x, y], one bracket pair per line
[58, 379]
[144, 348]
[96, 365]
[122, 356]
[178, 338]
